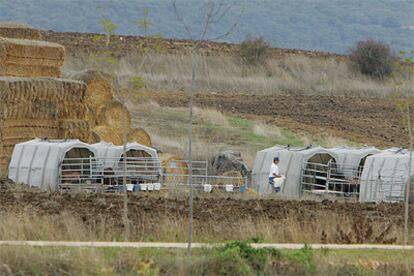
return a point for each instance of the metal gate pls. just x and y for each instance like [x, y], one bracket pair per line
[105, 174]
[318, 178]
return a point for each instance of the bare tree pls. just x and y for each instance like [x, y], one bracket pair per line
[216, 11]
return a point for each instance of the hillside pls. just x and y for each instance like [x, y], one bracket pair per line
[299, 97]
[323, 25]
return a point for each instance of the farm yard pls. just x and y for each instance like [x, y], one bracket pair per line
[56, 188]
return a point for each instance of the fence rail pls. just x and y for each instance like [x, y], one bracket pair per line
[141, 173]
[318, 178]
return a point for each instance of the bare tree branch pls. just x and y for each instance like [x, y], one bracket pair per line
[215, 13]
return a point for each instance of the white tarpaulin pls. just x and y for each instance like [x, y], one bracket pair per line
[291, 163]
[350, 161]
[36, 162]
[384, 176]
[111, 154]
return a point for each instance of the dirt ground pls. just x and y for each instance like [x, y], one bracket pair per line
[78, 44]
[147, 213]
[371, 121]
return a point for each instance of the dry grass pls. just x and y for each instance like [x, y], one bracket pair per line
[324, 227]
[265, 130]
[214, 131]
[211, 116]
[108, 261]
[290, 74]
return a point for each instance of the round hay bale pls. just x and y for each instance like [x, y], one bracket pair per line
[139, 136]
[107, 134]
[174, 171]
[90, 116]
[115, 114]
[94, 137]
[99, 87]
[235, 178]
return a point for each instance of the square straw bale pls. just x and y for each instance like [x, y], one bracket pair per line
[19, 30]
[30, 58]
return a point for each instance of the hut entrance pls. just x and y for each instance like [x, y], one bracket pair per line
[76, 166]
[361, 165]
[315, 173]
[133, 153]
[140, 166]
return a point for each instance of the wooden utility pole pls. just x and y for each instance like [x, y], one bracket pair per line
[408, 184]
[215, 12]
[190, 157]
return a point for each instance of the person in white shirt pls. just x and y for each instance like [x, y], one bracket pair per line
[274, 173]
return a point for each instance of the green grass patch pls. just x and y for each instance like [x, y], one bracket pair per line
[233, 258]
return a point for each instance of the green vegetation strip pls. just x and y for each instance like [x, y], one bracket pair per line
[231, 258]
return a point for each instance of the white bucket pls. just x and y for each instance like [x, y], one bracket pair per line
[208, 188]
[229, 188]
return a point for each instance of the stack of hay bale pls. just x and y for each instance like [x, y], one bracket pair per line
[108, 118]
[34, 101]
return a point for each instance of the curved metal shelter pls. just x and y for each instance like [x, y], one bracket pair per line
[350, 161]
[297, 164]
[385, 175]
[37, 162]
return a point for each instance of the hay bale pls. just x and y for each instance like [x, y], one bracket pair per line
[42, 98]
[173, 171]
[72, 110]
[16, 131]
[48, 89]
[99, 88]
[74, 90]
[4, 163]
[139, 136]
[115, 114]
[36, 109]
[236, 178]
[74, 129]
[19, 30]
[90, 117]
[30, 58]
[107, 134]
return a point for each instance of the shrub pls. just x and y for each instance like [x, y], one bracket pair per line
[373, 58]
[254, 51]
[240, 258]
[305, 258]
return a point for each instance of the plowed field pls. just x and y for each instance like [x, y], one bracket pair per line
[372, 121]
[216, 218]
[77, 44]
